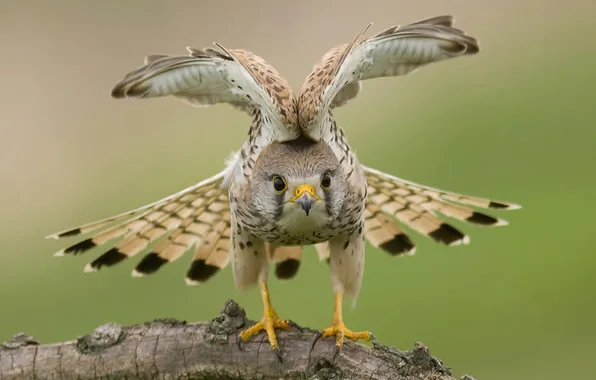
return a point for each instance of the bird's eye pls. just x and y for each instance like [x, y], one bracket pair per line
[279, 184]
[326, 180]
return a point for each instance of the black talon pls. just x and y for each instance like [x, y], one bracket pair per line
[336, 352]
[317, 337]
[295, 325]
[239, 343]
[277, 352]
[374, 340]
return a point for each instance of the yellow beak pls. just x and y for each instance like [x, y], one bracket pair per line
[305, 196]
[300, 190]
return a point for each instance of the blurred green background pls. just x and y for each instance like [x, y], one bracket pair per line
[514, 123]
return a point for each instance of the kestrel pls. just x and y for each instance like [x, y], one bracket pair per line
[295, 181]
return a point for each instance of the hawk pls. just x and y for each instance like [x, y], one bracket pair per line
[295, 181]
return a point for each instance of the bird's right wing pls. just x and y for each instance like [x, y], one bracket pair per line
[213, 76]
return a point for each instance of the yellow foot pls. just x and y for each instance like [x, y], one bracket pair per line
[341, 332]
[269, 323]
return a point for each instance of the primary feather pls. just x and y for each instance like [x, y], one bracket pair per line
[399, 50]
[199, 217]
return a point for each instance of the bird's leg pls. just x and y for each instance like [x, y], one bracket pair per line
[269, 322]
[339, 329]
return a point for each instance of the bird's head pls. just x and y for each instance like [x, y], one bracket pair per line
[298, 182]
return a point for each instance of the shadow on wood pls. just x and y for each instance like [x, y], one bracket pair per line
[172, 349]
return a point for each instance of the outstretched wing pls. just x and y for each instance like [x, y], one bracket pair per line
[197, 216]
[417, 206]
[413, 205]
[399, 50]
[213, 76]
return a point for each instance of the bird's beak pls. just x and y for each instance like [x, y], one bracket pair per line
[305, 196]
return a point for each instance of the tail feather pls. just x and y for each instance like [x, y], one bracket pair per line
[220, 256]
[464, 214]
[286, 260]
[93, 226]
[170, 216]
[182, 217]
[125, 228]
[191, 230]
[417, 206]
[99, 239]
[97, 224]
[218, 259]
[404, 187]
[202, 186]
[202, 268]
[424, 222]
[384, 234]
[416, 217]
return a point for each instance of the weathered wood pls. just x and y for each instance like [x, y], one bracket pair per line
[172, 349]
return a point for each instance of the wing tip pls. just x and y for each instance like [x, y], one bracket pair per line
[465, 240]
[137, 274]
[399, 245]
[127, 90]
[150, 264]
[60, 253]
[200, 271]
[481, 219]
[223, 49]
[449, 235]
[118, 92]
[191, 282]
[65, 233]
[501, 222]
[89, 269]
[503, 205]
[80, 247]
[130, 88]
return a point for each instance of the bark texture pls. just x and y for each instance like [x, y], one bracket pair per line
[172, 349]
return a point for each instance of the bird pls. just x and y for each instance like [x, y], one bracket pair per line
[295, 181]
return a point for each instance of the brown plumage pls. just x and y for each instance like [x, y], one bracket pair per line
[382, 232]
[399, 50]
[295, 181]
[198, 78]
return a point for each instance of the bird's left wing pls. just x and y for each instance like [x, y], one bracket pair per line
[197, 216]
[418, 207]
[214, 76]
[399, 50]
